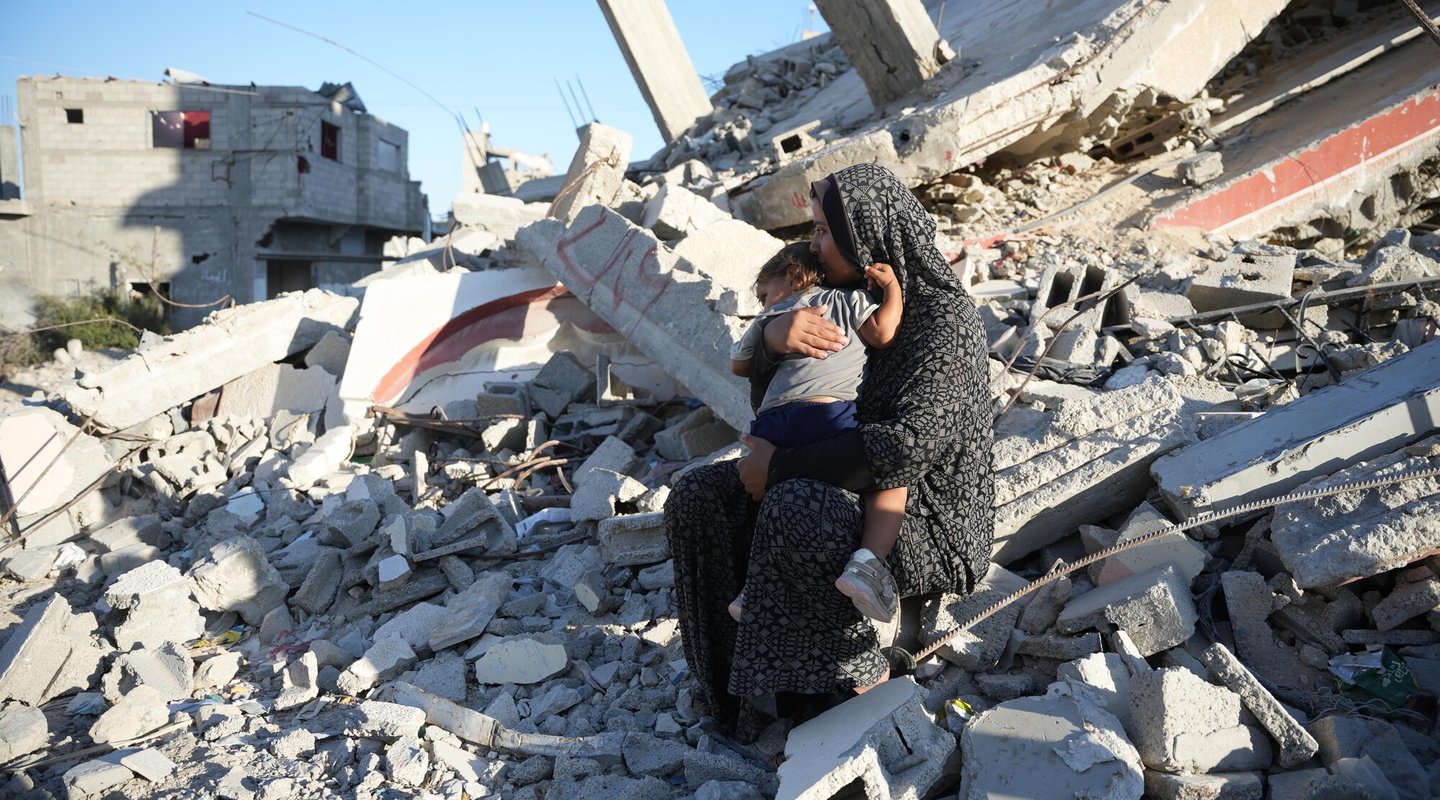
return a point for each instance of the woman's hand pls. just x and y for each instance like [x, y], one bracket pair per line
[804, 331]
[755, 465]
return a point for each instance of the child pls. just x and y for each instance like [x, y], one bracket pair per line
[812, 399]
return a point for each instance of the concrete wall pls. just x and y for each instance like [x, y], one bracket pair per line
[107, 208]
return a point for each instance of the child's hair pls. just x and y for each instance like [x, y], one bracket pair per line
[796, 263]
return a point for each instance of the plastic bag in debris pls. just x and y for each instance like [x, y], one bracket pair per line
[1375, 674]
[954, 714]
[1053, 369]
[545, 516]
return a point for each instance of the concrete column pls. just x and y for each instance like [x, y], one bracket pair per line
[658, 60]
[891, 43]
[9, 163]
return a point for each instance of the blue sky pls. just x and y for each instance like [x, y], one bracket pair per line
[498, 60]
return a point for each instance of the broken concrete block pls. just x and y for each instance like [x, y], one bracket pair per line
[674, 212]
[1370, 415]
[596, 171]
[882, 739]
[651, 296]
[1253, 273]
[980, 647]
[22, 730]
[1184, 724]
[632, 540]
[1203, 168]
[321, 458]
[388, 722]
[393, 572]
[94, 777]
[612, 454]
[1062, 744]
[321, 583]
[168, 669]
[144, 529]
[148, 763]
[1186, 554]
[40, 479]
[601, 493]
[298, 683]
[1341, 737]
[50, 653]
[1407, 601]
[1249, 601]
[1060, 287]
[157, 605]
[351, 523]
[1154, 607]
[139, 712]
[385, 659]
[521, 660]
[1083, 459]
[264, 392]
[237, 576]
[217, 671]
[31, 564]
[469, 612]
[502, 216]
[231, 343]
[1218, 786]
[1296, 745]
[471, 516]
[562, 381]
[414, 625]
[1107, 675]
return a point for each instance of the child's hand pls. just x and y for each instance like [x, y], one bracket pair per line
[880, 276]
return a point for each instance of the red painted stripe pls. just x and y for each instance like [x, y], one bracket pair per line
[1410, 120]
[456, 337]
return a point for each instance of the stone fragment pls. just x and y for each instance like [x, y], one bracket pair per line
[1184, 724]
[1107, 676]
[1154, 607]
[237, 576]
[385, 659]
[562, 381]
[612, 454]
[1061, 744]
[167, 669]
[883, 740]
[1252, 273]
[1407, 601]
[1216, 786]
[596, 171]
[157, 605]
[217, 671]
[675, 212]
[601, 493]
[407, 761]
[980, 647]
[393, 572]
[321, 458]
[1296, 745]
[321, 583]
[443, 676]
[94, 777]
[468, 613]
[473, 515]
[298, 683]
[1249, 600]
[22, 730]
[632, 540]
[141, 711]
[521, 660]
[147, 762]
[50, 653]
[374, 719]
[414, 625]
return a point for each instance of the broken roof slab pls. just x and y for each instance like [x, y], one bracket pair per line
[1023, 67]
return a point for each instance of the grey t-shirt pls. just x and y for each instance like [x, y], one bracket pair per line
[800, 377]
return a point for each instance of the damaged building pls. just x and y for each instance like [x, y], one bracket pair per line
[406, 539]
[205, 191]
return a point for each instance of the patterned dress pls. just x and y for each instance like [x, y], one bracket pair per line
[925, 417]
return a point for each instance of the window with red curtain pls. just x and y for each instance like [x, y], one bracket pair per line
[180, 129]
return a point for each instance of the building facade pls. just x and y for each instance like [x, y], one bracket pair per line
[205, 191]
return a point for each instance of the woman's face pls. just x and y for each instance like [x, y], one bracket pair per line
[838, 271]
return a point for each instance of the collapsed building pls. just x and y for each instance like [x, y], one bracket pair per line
[406, 540]
[201, 191]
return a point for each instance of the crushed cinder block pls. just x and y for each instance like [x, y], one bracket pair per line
[232, 342]
[1296, 745]
[612, 454]
[1186, 554]
[167, 669]
[884, 739]
[22, 730]
[1184, 724]
[1342, 737]
[1249, 600]
[1407, 601]
[601, 494]
[1368, 416]
[980, 647]
[157, 606]
[321, 458]
[562, 381]
[471, 521]
[237, 576]
[1061, 744]
[50, 653]
[321, 582]
[298, 683]
[1253, 273]
[633, 540]
[1154, 607]
[1061, 286]
[374, 719]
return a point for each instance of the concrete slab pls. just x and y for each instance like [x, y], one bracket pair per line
[38, 477]
[1296, 745]
[1024, 66]
[1337, 539]
[1181, 723]
[1322, 152]
[633, 540]
[50, 653]
[1062, 744]
[278, 387]
[656, 298]
[232, 342]
[237, 576]
[1372, 413]
[883, 739]
[1082, 460]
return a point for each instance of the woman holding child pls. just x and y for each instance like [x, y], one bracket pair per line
[922, 424]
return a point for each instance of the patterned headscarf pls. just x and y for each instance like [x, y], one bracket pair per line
[884, 222]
